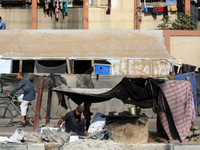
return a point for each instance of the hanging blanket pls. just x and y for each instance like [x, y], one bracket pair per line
[180, 112]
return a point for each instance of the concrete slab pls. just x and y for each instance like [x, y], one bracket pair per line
[187, 146]
[14, 146]
[146, 146]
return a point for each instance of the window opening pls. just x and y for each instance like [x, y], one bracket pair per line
[81, 66]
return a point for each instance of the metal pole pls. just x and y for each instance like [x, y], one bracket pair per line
[38, 105]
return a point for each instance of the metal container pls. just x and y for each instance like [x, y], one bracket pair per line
[132, 110]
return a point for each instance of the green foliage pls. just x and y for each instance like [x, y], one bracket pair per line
[165, 25]
[182, 22]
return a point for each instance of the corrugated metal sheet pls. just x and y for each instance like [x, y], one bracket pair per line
[126, 44]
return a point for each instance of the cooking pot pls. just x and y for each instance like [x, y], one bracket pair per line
[132, 110]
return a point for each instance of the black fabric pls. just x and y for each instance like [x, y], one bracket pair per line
[165, 11]
[61, 97]
[180, 8]
[138, 91]
[187, 68]
[176, 69]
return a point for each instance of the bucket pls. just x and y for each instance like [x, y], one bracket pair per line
[132, 110]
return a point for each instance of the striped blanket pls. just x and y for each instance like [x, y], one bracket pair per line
[179, 109]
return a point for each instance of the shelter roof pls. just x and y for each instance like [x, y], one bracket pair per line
[102, 44]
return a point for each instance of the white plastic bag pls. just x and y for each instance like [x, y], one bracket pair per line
[17, 136]
[97, 123]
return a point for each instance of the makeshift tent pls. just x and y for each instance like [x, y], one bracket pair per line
[138, 91]
[177, 102]
[195, 81]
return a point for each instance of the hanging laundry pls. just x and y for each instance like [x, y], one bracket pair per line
[50, 8]
[160, 9]
[55, 3]
[194, 11]
[150, 8]
[180, 8]
[56, 13]
[145, 8]
[61, 4]
[171, 2]
[165, 11]
[66, 9]
[173, 8]
[155, 12]
[109, 8]
[47, 8]
[63, 10]
[44, 7]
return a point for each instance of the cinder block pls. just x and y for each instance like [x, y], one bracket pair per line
[187, 146]
[36, 146]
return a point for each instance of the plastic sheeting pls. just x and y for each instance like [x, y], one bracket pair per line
[195, 81]
[137, 91]
[43, 69]
[5, 65]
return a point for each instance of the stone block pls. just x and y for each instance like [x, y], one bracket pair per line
[36, 146]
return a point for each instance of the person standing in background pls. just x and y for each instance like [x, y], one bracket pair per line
[87, 114]
[2, 24]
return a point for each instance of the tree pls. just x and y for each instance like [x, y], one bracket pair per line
[183, 22]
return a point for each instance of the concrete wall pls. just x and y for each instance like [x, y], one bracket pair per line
[149, 22]
[20, 18]
[187, 48]
[121, 16]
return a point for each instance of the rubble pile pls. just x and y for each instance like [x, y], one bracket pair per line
[48, 136]
[193, 136]
[131, 130]
[91, 145]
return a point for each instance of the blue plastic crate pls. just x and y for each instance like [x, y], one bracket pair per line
[101, 69]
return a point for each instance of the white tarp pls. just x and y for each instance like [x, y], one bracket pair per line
[5, 65]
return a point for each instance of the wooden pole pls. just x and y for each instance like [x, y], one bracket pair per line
[38, 106]
[92, 65]
[34, 14]
[20, 65]
[68, 66]
[85, 14]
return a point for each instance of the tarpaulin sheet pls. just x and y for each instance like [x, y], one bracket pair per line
[136, 91]
[195, 81]
[6, 65]
[43, 69]
[180, 112]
